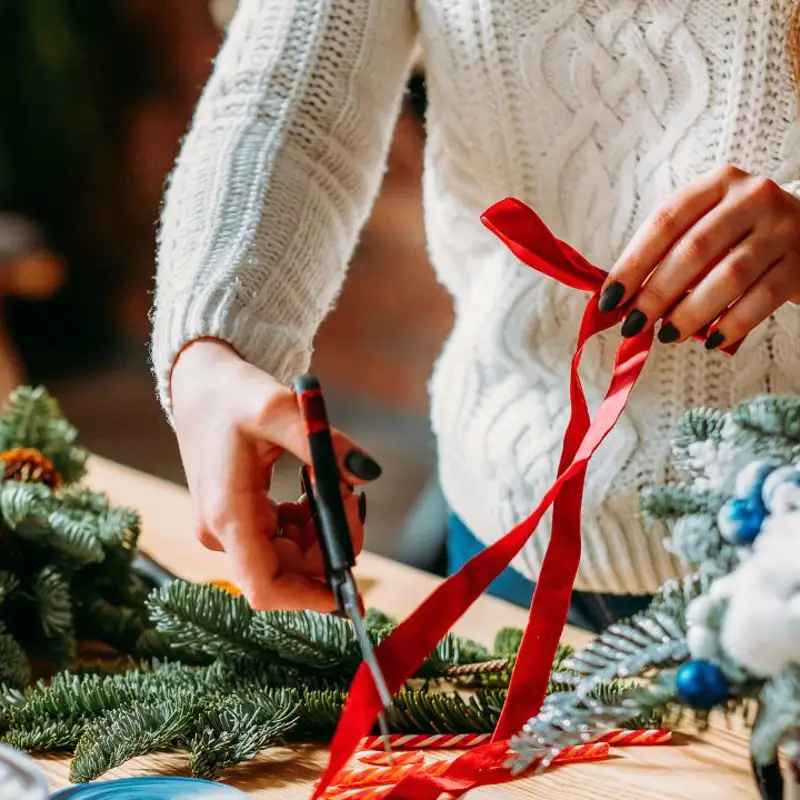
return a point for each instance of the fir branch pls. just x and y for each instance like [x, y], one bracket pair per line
[674, 596]
[137, 730]
[119, 530]
[76, 536]
[771, 419]
[85, 500]
[45, 736]
[676, 500]
[320, 641]
[377, 619]
[507, 641]
[778, 720]
[698, 425]
[121, 627]
[696, 540]
[55, 604]
[8, 583]
[320, 711]
[14, 666]
[630, 649]
[230, 730]
[425, 712]
[79, 699]
[204, 620]
[24, 508]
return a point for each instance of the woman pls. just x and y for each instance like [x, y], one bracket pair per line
[655, 136]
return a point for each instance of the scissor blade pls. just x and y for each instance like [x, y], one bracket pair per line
[370, 659]
[368, 651]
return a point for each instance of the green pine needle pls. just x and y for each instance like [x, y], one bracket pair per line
[677, 500]
[24, 508]
[777, 721]
[205, 620]
[770, 417]
[321, 641]
[507, 642]
[230, 730]
[137, 730]
[698, 425]
[8, 583]
[14, 666]
[46, 736]
[55, 603]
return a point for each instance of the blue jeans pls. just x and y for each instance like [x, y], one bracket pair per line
[594, 612]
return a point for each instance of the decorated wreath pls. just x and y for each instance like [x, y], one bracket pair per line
[726, 637]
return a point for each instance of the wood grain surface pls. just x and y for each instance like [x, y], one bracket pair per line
[711, 766]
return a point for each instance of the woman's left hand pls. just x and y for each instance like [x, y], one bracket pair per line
[732, 239]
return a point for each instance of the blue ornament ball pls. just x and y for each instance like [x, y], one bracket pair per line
[740, 520]
[701, 685]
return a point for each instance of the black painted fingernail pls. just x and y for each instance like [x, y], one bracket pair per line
[611, 297]
[362, 508]
[362, 466]
[633, 324]
[668, 333]
[715, 340]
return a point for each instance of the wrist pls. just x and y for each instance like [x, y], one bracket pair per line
[199, 354]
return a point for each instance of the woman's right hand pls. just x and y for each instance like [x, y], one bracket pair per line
[233, 421]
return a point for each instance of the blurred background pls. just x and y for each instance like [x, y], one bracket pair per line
[96, 97]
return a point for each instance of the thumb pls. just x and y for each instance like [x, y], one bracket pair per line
[281, 423]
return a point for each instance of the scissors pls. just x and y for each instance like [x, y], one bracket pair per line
[333, 532]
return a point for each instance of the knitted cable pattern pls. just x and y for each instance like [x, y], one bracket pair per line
[591, 111]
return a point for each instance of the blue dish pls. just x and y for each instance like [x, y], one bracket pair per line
[157, 787]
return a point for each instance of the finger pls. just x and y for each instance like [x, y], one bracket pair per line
[209, 541]
[281, 423]
[659, 232]
[757, 304]
[259, 572]
[721, 287]
[355, 511]
[355, 508]
[290, 556]
[294, 513]
[295, 593]
[244, 524]
[703, 245]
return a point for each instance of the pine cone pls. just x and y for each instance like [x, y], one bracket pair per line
[29, 465]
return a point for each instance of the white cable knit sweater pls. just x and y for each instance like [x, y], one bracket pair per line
[591, 111]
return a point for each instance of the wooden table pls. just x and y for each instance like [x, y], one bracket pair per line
[712, 766]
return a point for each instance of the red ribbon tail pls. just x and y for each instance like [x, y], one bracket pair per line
[402, 653]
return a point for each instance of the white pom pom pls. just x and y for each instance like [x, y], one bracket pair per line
[699, 611]
[750, 478]
[702, 642]
[761, 627]
[760, 636]
[785, 498]
[775, 479]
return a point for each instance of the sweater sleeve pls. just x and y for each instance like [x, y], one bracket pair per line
[277, 176]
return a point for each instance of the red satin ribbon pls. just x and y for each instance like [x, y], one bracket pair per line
[402, 653]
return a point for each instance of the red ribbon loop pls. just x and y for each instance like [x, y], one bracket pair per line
[402, 653]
